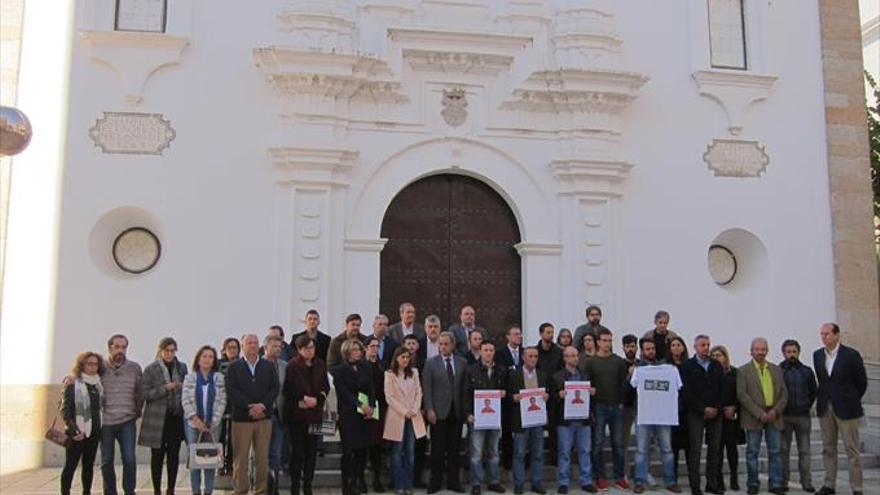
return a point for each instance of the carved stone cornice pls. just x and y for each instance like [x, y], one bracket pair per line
[365, 245]
[578, 176]
[482, 42]
[314, 166]
[576, 90]
[455, 62]
[735, 92]
[538, 249]
[340, 75]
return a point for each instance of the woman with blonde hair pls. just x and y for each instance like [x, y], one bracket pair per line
[355, 400]
[81, 411]
[731, 432]
[403, 423]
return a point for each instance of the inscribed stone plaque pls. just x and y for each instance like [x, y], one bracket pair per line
[735, 158]
[132, 133]
[141, 15]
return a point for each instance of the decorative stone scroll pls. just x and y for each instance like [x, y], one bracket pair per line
[735, 158]
[132, 133]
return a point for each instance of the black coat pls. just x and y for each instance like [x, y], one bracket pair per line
[515, 382]
[702, 388]
[244, 389]
[845, 387]
[476, 377]
[549, 361]
[354, 431]
[503, 357]
[322, 345]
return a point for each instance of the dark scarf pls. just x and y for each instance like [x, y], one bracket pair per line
[205, 411]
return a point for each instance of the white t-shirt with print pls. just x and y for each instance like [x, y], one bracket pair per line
[657, 388]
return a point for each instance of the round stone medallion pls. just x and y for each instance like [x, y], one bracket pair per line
[136, 250]
[722, 264]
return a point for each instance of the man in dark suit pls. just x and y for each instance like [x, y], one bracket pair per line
[407, 324]
[443, 404]
[252, 386]
[842, 383]
[322, 340]
[387, 345]
[702, 377]
[528, 377]
[461, 331]
[509, 356]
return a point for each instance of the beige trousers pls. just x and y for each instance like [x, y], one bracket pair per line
[245, 435]
[849, 432]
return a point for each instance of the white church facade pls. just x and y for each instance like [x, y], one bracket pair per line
[202, 169]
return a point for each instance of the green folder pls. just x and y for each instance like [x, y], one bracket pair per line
[363, 399]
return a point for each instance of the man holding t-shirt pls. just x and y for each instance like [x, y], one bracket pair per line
[657, 385]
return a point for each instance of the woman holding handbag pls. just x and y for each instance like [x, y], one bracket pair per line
[162, 423]
[403, 422]
[305, 391]
[204, 400]
[81, 411]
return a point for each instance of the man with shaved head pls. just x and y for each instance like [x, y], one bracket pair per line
[762, 396]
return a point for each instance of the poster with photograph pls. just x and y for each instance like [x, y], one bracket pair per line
[487, 409]
[532, 408]
[577, 400]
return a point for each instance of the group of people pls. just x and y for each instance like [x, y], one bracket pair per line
[409, 390]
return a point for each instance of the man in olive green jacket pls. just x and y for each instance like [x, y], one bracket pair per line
[762, 395]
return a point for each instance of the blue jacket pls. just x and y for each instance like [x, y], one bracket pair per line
[801, 385]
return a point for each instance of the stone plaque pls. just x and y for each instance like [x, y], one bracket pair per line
[141, 15]
[735, 158]
[132, 133]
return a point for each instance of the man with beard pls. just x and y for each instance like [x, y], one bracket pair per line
[661, 334]
[592, 326]
[630, 345]
[123, 402]
[352, 331]
[800, 381]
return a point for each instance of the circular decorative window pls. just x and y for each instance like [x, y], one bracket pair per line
[722, 264]
[136, 250]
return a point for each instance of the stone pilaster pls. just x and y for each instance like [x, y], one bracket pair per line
[855, 266]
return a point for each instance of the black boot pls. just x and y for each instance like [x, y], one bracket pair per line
[378, 487]
[361, 484]
[734, 482]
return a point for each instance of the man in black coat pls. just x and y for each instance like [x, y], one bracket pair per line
[485, 375]
[387, 345]
[509, 356]
[702, 377]
[842, 383]
[322, 340]
[531, 438]
[252, 386]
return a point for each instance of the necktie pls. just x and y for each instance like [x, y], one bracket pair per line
[449, 373]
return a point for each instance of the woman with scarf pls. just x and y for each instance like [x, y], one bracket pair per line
[81, 411]
[204, 400]
[162, 423]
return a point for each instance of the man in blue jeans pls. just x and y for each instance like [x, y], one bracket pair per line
[571, 432]
[530, 438]
[272, 353]
[657, 385]
[483, 375]
[123, 402]
[760, 389]
[607, 373]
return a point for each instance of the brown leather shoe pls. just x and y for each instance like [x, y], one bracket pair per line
[674, 488]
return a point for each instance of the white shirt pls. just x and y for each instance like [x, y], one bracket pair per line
[407, 330]
[253, 367]
[433, 348]
[830, 357]
[657, 388]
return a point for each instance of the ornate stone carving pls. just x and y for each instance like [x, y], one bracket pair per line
[736, 158]
[132, 133]
[454, 105]
[456, 62]
[315, 166]
[584, 37]
[575, 90]
[734, 91]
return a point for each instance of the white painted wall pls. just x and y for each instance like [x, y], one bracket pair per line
[225, 222]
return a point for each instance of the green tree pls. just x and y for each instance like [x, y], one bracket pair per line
[874, 139]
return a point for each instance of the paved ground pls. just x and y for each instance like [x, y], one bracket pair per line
[45, 481]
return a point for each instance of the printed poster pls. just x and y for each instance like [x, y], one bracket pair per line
[487, 409]
[577, 400]
[532, 408]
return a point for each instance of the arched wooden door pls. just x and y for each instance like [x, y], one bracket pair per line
[451, 242]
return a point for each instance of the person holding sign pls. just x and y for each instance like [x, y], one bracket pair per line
[573, 429]
[657, 385]
[529, 389]
[484, 381]
[355, 398]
